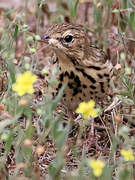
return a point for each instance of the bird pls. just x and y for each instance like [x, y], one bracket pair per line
[85, 69]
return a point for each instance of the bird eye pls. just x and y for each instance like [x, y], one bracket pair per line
[68, 38]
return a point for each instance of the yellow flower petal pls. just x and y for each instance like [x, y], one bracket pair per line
[87, 109]
[97, 172]
[24, 83]
[91, 103]
[97, 166]
[127, 154]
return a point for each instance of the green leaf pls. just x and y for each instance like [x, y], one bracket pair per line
[4, 123]
[125, 174]
[72, 7]
[28, 112]
[9, 141]
[125, 4]
[56, 165]
[132, 16]
[132, 20]
[107, 173]
[75, 7]
[15, 32]
[58, 97]
[59, 133]
[122, 24]
[11, 69]
[61, 140]
[126, 100]
[98, 16]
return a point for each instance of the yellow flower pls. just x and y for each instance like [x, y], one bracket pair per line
[127, 154]
[24, 83]
[97, 166]
[87, 109]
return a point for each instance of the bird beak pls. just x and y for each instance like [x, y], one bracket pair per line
[48, 40]
[45, 38]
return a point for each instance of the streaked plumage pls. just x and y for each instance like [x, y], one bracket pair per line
[85, 69]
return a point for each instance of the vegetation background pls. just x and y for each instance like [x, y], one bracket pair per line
[34, 143]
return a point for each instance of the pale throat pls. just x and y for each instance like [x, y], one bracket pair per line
[61, 56]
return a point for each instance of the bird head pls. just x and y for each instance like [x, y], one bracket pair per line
[65, 38]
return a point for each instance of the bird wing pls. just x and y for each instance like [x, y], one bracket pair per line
[95, 56]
